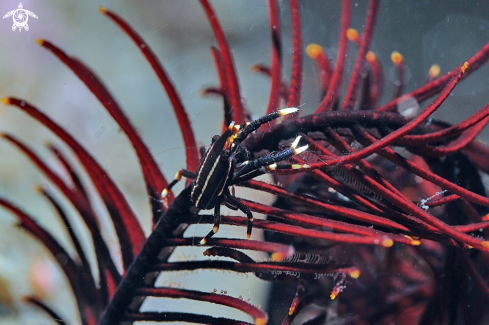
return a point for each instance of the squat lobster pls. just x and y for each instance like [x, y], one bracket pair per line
[217, 169]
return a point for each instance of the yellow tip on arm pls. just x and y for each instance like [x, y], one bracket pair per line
[415, 242]
[102, 9]
[396, 57]
[260, 321]
[387, 242]
[464, 67]
[352, 34]
[40, 41]
[434, 71]
[355, 274]
[371, 57]
[6, 100]
[314, 50]
[38, 188]
[485, 244]
[486, 217]
[333, 295]
[277, 257]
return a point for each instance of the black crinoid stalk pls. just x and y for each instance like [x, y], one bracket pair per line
[380, 215]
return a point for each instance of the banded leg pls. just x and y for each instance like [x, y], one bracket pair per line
[272, 158]
[244, 209]
[254, 125]
[215, 228]
[178, 177]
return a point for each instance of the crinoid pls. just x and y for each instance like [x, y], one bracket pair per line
[383, 219]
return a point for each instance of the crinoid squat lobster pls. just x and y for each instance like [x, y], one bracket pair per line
[226, 163]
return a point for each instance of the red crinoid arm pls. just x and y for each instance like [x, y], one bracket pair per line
[49, 311]
[191, 151]
[376, 79]
[417, 140]
[276, 68]
[154, 179]
[74, 178]
[84, 291]
[351, 235]
[129, 231]
[68, 225]
[294, 306]
[259, 316]
[437, 85]
[345, 212]
[398, 61]
[278, 251]
[234, 94]
[392, 137]
[316, 53]
[362, 234]
[81, 203]
[461, 142]
[330, 99]
[283, 88]
[108, 274]
[396, 158]
[296, 77]
[180, 317]
[351, 93]
[478, 153]
[228, 114]
[262, 267]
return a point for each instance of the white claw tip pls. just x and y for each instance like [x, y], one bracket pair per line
[300, 150]
[288, 110]
[164, 193]
[296, 142]
[244, 163]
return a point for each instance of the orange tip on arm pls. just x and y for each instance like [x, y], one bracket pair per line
[396, 57]
[260, 321]
[355, 274]
[371, 57]
[102, 9]
[6, 100]
[434, 71]
[464, 67]
[387, 242]
[352, 34]
[40, 41]
[314, 50]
